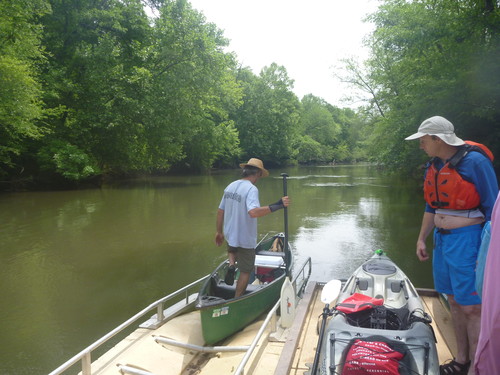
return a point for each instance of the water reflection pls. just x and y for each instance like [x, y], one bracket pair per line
[76, 264]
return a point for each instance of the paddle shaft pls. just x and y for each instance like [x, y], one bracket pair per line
[285, 214]
[326, 312]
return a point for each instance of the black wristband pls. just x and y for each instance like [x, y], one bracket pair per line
[276, 206]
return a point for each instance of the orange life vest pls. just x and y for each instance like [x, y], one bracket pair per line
[445, 188]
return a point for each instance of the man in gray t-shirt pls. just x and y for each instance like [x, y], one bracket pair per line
[237, 221]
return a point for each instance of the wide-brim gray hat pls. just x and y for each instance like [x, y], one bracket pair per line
[440, 127]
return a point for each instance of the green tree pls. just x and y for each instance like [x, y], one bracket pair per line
[268, 121]
[310, 151]
[20, 88]
[194, 89]
[137, 94]
[318, 121]
[337, 130]
[432, 58]
[95, 76]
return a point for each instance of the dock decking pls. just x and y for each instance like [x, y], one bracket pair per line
[285, 352]
[306, 344]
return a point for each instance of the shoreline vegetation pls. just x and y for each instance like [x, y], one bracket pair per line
[91, 91]
[97, 182]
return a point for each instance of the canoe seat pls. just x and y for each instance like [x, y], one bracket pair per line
[222, 290]
[271, 253]
[270, 260]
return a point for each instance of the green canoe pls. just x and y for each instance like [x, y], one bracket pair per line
[221, 313]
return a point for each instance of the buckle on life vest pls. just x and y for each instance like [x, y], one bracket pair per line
[437, 204]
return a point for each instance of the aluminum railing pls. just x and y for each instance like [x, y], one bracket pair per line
[85, 355]
[272, 315]
[299, 282]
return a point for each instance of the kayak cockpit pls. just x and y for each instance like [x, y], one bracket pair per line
[378, 307]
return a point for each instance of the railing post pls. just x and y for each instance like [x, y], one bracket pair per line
[274, 321]
[86, 364]
[159, 313]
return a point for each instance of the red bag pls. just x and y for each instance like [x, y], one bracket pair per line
[358, 302]
[371, 357]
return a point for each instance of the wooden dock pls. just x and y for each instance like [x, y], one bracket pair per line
[305, 345]
[295, 354]
[284, 352]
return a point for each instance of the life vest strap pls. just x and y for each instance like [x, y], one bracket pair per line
[466, 148]
[439, 204]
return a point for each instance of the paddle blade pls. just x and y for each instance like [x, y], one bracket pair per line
[287, 306]
[331, 291]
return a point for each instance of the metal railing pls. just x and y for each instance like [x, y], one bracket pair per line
[85, 355]
[299, 282]
[304, 274]
[272, 315]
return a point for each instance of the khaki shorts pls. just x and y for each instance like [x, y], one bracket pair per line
[244, 257]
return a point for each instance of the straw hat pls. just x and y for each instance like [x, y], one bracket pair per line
[258, 164]
[440, 127]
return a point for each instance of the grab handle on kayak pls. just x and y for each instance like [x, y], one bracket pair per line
[405, 289]
[361, 284]
[332, 353]
[356, 283]
[426, 361]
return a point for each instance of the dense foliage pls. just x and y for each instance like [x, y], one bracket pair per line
[20, 90]
[92, 88]
[95, 88]
[431, 58]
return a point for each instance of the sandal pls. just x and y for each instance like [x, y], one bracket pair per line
[454, 368]
[229, 279]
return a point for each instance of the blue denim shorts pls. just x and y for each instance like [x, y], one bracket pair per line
[454, 262]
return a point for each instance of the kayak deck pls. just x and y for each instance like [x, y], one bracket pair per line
[282, 352]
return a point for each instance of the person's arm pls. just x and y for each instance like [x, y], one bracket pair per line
[219, 235]
[425, 230]
[265, 210]
[487, 187]
[478, 169]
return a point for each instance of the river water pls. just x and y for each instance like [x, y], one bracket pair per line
[76, 264]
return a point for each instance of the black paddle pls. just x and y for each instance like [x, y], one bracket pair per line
[329, 294]
[287, 299]
[285, 213]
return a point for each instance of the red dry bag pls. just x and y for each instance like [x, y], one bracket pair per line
[371, 357]
[358, 302]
